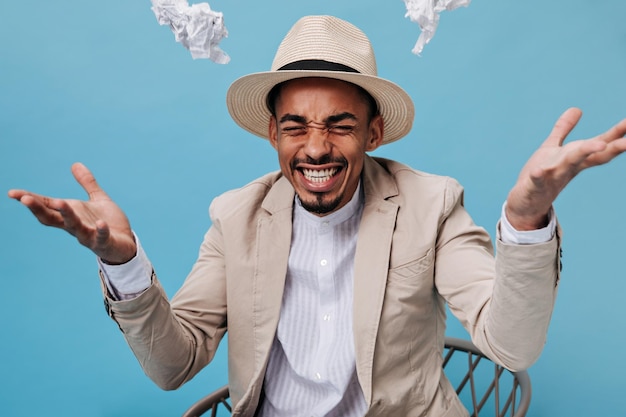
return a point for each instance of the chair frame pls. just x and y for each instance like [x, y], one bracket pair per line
[211, 402]
[520, 383]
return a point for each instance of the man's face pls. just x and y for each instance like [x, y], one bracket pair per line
[321, 132]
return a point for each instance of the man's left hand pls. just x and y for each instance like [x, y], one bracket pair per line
[554, 165]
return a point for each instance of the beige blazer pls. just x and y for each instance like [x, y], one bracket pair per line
[417, 249]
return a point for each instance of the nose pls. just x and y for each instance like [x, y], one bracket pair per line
[317, 144]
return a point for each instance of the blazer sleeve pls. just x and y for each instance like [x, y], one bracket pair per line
[505, 305]
[174, 341]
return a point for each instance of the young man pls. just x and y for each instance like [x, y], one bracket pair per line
[331, 275]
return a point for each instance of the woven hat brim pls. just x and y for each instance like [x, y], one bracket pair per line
[246, 100]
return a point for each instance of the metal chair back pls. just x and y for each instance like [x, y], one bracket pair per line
[483, 385]
[480, 383]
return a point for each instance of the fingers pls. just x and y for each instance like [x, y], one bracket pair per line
[16, 194]
[45, 209]
[72, 223]
[563, 126]
[583, 150]
[90, 232]
[86, 179]
[616, 132]
[612, 150]
[52, 212]
[586, 153]
[606, 146]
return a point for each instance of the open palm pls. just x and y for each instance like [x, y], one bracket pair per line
[97, 223]
[554, 165]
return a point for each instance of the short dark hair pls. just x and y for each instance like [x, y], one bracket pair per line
[372, 106]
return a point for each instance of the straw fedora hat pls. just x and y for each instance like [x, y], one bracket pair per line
[321, 46]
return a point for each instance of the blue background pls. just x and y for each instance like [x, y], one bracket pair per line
[103, 83]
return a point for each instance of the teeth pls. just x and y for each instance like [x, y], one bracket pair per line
[320, 175]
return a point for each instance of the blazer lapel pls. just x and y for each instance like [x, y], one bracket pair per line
[273, 244]
[371, 265]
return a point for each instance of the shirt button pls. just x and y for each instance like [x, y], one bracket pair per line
[318, 376]
[326, 317]
[323, 262]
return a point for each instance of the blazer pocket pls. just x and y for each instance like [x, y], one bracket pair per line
[406, 273]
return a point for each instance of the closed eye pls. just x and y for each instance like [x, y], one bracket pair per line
[341, 130]
[294, 130]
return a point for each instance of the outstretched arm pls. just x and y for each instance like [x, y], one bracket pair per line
[554, 165]
[97, 223]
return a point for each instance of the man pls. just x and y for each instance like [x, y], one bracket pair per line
[331, 275]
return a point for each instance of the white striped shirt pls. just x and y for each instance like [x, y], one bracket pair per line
[312, 367]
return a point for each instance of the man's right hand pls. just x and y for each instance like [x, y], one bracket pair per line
[98, 223]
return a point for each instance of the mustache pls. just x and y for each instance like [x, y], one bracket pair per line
[326, 159]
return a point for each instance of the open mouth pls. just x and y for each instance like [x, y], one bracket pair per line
[319, 175]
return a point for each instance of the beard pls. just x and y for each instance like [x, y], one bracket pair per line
[320, 206]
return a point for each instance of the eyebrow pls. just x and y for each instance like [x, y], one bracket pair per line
[339, 117]
[334, 118]
[293, 118]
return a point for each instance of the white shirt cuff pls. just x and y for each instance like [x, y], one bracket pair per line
[508, 234]
[130, 279]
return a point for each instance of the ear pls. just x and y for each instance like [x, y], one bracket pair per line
[273, 132]
[376, 131]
